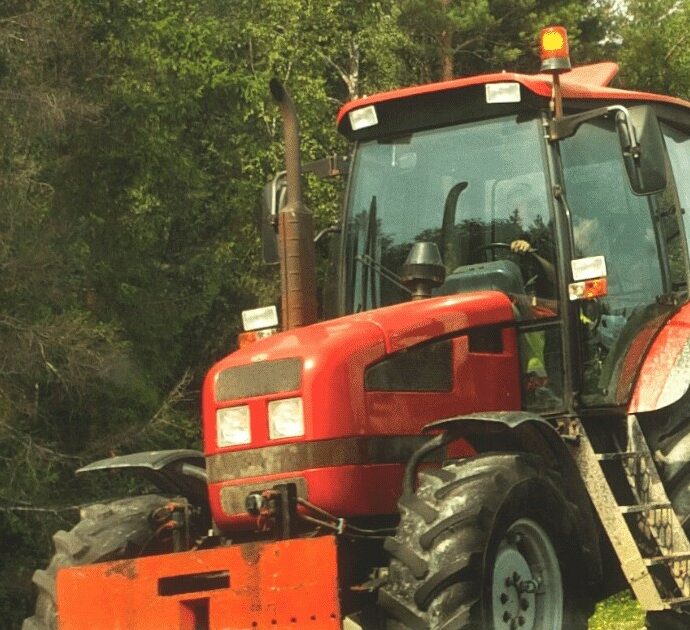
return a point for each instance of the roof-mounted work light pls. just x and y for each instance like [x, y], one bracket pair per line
[555, 58]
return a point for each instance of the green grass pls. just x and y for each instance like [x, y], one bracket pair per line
[618, 612]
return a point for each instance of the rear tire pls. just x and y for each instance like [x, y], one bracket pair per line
[668, 433]
[486, 543]
[113, 531]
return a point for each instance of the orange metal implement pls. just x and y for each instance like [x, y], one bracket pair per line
[287, 584]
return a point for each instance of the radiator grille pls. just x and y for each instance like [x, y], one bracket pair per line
[258, 379]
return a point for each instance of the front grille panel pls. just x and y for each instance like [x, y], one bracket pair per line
[258, 379]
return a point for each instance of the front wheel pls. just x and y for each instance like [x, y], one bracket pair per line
[113, 531]
[486, 543]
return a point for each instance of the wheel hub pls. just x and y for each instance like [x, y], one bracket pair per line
[526, 585]
[514, 590]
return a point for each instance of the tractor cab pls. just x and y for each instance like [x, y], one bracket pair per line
[577, 218]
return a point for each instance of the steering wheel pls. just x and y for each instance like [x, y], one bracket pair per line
[529, 283]
[490, 246]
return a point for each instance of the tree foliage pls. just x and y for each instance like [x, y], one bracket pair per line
[656, 59]
[135, 140]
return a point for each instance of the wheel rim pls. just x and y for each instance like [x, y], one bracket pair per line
[527, 589]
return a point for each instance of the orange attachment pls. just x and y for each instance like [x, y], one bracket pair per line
[287, 584]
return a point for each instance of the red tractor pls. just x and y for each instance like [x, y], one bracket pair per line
[492, 430]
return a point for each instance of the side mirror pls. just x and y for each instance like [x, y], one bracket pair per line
[643, 149]
[273, 198]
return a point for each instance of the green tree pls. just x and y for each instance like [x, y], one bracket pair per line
[655, 59]
[461, 37]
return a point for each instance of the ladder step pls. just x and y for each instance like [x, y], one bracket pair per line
[618, 456]
[677, 601]
[678, 556]
[643, 507]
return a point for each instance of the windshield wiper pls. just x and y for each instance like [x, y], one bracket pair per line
[368, 250]
[382, 271]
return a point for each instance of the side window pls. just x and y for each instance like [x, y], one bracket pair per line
[541, 362]
[425, 368]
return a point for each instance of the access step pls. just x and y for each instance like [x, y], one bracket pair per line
[643, 507]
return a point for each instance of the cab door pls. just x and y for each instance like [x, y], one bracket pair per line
[641, 239]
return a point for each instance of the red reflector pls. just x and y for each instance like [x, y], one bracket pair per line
[589, 289]
[247, 338]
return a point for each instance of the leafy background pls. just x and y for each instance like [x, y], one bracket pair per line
[135, 137]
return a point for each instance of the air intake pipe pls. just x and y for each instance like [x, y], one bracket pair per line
[295, 228]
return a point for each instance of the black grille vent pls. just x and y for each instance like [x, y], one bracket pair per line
[259, 379]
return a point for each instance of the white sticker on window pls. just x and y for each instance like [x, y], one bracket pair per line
[588, 268]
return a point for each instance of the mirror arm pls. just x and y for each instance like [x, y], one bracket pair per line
[560, 128]
[331, 166]
[331, 229]
[277, 191]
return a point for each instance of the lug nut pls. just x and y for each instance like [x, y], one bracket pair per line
[507, 616]
[504, 598]
[509, 582]
[521, 620]
[524, 604]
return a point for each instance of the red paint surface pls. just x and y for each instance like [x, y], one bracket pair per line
[335, 355]
[660, 361]
[582, 82]
[125, 594]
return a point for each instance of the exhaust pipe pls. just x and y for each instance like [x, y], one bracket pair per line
[295, 228]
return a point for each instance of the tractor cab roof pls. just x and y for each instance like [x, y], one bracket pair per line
[583, 84]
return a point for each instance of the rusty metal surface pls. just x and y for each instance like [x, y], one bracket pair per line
[232, 497]
[295, 229]
[286, 458]
[662, 525]
[632, 563]
[288, 584]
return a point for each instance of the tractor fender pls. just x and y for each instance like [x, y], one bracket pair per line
[665, 373]
[529, 433]
[177, 471]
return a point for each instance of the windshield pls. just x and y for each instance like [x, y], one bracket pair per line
[475, 189]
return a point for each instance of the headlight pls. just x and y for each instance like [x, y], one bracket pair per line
[232, 425]
[285, 418]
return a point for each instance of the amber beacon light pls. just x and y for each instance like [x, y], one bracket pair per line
[553, 45]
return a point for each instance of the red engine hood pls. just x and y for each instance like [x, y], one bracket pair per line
[335, 354]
